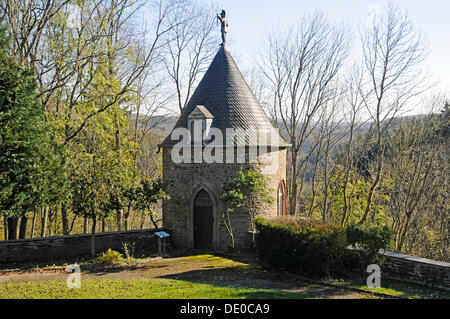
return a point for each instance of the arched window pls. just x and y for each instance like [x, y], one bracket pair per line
[281, 199]
[203, 199]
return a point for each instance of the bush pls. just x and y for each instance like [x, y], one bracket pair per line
[128, 249]
[306, 247]
[109, 257]
[368, 240]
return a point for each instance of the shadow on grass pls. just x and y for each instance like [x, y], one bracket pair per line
[264, 288]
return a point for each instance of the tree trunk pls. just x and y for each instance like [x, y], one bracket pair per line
[313, 181]
[325, 182]
[127, 216]
[348, 166]
[85, 225]
[404, 232]
[119, 213]
[65, 220]
[5, 225]
[44, 221]
[371, 194]
[33, 224]
[142, 220]
[94, 224]
[154, 221]
[51, 215]
[228, 226]
[23, 227]
[73, 223]
[294, 185]
[12, 227]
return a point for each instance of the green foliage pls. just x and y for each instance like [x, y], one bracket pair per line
[109, 257]
[90, 115]
[356, 192]
[100, 167]
[246, 190]
[146, 195]
[317, 248]
[29, 160]
[306, 247]
[369, 239]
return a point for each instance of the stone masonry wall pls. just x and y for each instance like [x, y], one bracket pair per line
[186, 179]
[75, 245]
[417, 270]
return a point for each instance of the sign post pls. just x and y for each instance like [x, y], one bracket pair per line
[162, 235]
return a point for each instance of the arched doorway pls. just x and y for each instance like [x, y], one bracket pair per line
[203, 220]
[281, 199]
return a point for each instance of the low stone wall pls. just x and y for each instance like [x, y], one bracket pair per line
[49, 248]
[417, 270]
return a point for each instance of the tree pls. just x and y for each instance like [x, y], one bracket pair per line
[191, 44]
[417, 161]
[24, 140]
[59, 52]
[301, 66]
[355, 199]
[392, 51]
[322, 149]
[248, 191]
[99, 164]
[147, 195]
[353, 106]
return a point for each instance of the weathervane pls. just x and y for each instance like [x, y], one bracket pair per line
[224, 25]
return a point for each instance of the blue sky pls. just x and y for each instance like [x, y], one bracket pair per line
[249, 20]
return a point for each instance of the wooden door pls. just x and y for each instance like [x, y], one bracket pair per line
[203, 221]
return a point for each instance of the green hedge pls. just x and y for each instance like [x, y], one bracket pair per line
[368, 240]
[316, 248]
[306, 247]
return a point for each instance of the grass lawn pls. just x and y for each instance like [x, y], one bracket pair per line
[135, 288]
[207, 276]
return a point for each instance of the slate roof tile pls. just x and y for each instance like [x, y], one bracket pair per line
[227, 96]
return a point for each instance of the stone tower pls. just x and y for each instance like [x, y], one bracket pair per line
[224, 120]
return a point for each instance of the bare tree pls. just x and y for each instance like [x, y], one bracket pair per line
[322, 149]
[27, 20]
[352, 115]
[191, 44]
[417, 163]
[258, 84]
[302, 65]
[392, 53]
[133, 68]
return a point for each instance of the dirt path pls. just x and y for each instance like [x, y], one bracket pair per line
[197, 268]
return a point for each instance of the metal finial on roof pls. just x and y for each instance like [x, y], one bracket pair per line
[223, 26]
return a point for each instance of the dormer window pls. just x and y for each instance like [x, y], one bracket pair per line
[199, 124]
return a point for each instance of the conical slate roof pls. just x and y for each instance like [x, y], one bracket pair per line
[227, 96]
